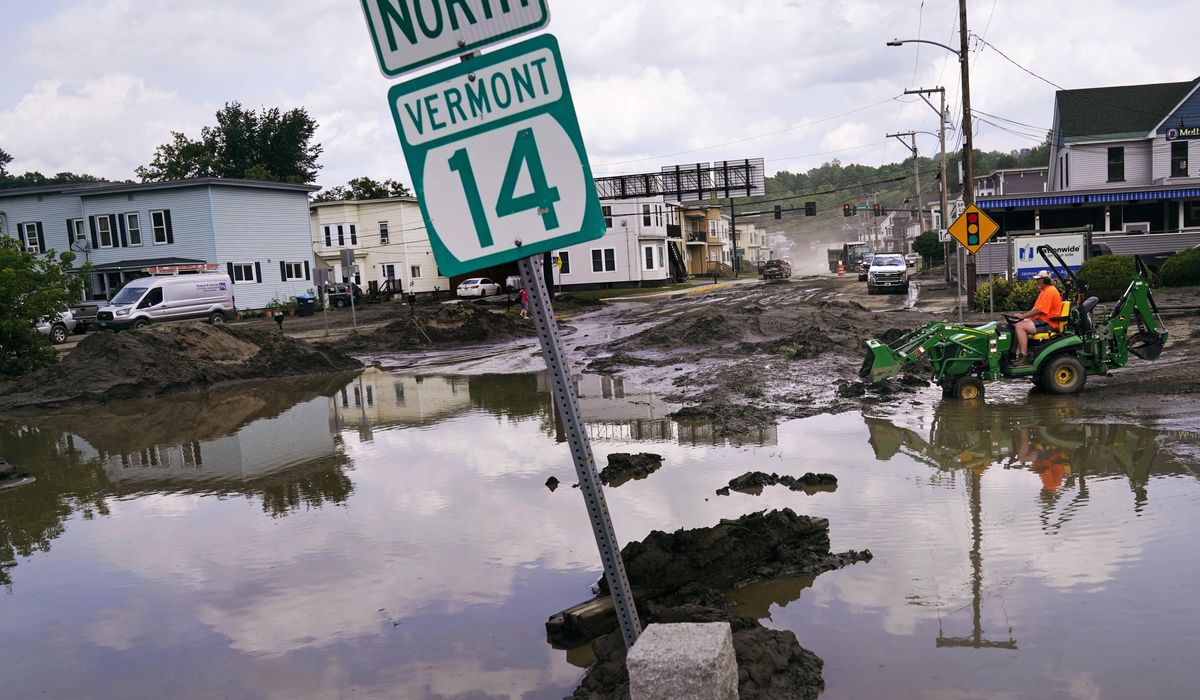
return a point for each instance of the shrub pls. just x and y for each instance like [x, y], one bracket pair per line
[1107, 276]
[1015, 295]
[1182, 269]
[930, 248]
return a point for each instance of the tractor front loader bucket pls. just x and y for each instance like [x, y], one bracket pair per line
[880, 363]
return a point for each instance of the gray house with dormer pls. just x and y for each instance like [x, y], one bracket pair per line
[257, 232]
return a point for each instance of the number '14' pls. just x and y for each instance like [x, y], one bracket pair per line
[524, 152]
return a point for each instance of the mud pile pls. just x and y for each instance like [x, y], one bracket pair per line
[754, 482]
[11, 477]
[680, 577]
[168, 359]
[623, 467]
[443, 324]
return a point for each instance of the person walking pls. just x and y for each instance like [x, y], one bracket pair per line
[523, 299]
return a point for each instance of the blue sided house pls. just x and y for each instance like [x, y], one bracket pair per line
[257, 232]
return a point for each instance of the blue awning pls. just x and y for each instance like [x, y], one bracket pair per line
[1091, 198]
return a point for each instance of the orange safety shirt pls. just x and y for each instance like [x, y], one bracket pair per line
[1049, 306]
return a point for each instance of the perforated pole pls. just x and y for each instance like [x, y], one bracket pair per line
[567, 405]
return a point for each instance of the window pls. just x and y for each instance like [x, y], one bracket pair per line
[1179, 159]
[645, 215]
[328, 237]
[292, 271]
[658, 257]
[160, 222]
[1116, 164]
[104, 231]
[29, 236]
[604, 259]
[76, 230]
[153, 298]
[648, 252]
[383, 232]
[133, 227]
[712, 229]
[564, 262]
[353, 235]
[658, 215]
[341, 235]
[414, 272]
[607, 216]
[242, 272]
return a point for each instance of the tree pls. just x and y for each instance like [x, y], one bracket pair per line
[34, 179]
[364, 188]
[33, 288]
[5, 159]
[266, 145]
[930, 248]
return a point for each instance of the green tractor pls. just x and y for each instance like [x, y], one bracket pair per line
[963, 357]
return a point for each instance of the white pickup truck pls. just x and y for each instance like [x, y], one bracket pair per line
[888, 272]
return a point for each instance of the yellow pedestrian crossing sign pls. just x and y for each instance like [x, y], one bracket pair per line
[973, 229]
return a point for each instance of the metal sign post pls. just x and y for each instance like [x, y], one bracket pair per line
[321, 277]
[567, 405]
[348, 267]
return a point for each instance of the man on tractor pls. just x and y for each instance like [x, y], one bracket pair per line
[1042, 318]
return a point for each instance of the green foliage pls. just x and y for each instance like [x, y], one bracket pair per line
[1016, 295]
[930, 248]
[5, 159]
[32, 288]
[266, 145]
[1182, 269]
[364, 188]
[1107, 276]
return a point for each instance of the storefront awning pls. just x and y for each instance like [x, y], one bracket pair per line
[1088, 198]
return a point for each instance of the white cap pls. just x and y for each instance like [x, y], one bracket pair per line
[1042, 275]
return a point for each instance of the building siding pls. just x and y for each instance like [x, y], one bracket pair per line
[52, 211]
[265, 227]
[1089, 165]
[628, 237]
[191, 223]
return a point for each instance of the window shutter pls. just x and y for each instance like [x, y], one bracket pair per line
[119, 220]
[307, 272]
[328, 238]
[282, 271]
[70, 234]
[257, 271]
[95, 238]
[41, 237]
[229, 270]
[167, 221]
[21, 235]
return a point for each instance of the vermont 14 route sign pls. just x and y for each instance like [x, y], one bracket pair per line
[409, 34]
[496, 157]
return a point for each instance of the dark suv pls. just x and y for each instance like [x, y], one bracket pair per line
[339, 294]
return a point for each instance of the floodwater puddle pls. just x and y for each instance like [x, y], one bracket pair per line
[391, 535]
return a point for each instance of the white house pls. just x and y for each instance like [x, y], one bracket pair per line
[257, 232]
[633, 252]
[388, 238]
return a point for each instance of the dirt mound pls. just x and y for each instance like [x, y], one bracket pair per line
[727, 418]
[623, 467]
[680, 577]
[754, 482]
[444, 324]
[167, 359]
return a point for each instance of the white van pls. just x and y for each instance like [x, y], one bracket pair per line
[149, 300]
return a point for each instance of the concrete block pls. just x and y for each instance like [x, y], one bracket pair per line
[692, 660]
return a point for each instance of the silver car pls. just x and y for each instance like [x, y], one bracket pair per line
[59, 329]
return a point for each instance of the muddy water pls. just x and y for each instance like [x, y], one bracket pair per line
[392, 537]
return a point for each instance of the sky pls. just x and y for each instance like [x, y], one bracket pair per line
[93, 86]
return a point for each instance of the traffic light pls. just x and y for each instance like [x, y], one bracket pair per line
[778, 211]
[848, 210]
[972, 228]
[876, 210]
[810, 208]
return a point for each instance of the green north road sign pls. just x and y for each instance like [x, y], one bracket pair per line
[409, 34]
[496, 157]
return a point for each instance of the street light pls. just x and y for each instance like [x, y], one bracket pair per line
[968, 183]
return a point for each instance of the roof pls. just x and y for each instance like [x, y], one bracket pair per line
[98, 188]
[338, 202]
[1117, 111]
[143, 263]
[1125, 194]
[1032, 169]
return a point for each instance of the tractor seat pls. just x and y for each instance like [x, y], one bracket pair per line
[1066, 316]
[1085, 315]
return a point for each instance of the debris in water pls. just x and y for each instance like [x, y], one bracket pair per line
[753, 482]
[623, 467]
[552, 483]
[11, 477]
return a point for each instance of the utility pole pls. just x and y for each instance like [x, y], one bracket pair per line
[916, 170]
[968, 147]
[945, 174]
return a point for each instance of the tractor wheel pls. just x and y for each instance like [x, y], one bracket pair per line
[1063, 375]
[967, 389]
